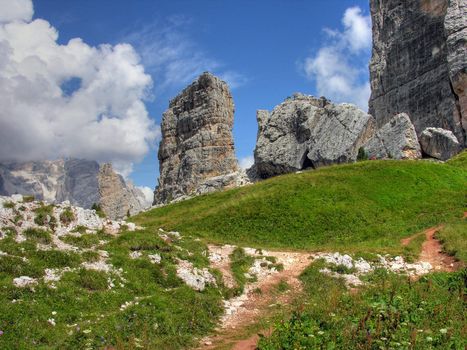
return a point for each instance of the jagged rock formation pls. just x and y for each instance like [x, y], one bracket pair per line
[439, 143]
[419, 63]
[197, 143]
[117, 198]
[396, 139]
[81, 182]
[307, 132]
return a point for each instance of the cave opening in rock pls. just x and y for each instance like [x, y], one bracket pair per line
[307, 163]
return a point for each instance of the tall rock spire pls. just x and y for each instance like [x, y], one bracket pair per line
[196, 153]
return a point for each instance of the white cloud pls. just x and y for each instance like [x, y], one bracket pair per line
[16, 10]
[246, 162]
[340, 67]
[71, 100]
[148, 194]
[173, 58]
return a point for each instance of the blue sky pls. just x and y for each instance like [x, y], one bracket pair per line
[266, 50]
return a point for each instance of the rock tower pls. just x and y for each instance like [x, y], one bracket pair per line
[196, 153]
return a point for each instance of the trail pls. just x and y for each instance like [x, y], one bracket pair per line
[432, 251]
[257, 301]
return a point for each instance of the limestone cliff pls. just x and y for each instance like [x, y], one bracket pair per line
[197, 143]
[419, 63]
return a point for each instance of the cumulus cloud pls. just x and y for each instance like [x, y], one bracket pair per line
[16, 10]
[72, 100]
[246, 162]
[340, 67]
[148, 194]
[173, 57]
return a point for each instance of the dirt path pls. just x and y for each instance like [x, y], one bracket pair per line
[432, 251]
[257, 301]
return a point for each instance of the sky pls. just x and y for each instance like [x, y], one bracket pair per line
[91, 78]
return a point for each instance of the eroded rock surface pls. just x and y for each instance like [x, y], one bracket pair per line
[308, 132]
[419, 62]
[439, 143]
[117, 197]
[81, 182]
[396, 139]
[197, 143]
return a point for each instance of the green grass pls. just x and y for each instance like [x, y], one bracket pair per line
[44, 215]
[168, 314]
[367, 206]
[454, 239]
[38, 235]
[67, 216]
[240, 263]
[389, 313]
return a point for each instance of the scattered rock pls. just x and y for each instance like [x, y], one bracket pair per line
[195, 278]
[24, 282]
[439, 143]
[396, 139]
[155, 258]
[197, 143]
[307, 132]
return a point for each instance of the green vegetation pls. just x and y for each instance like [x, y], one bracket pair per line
[240, 263]
[28, 199]
[143, 305]
[362, 155]
[67, 216]
[364, 207]
[454, 239]
[44, 215]
[98, 209]
[391, 312]
[84, 241]
[9, 205]
[38, 235]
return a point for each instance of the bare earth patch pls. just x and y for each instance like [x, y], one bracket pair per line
[252, 303]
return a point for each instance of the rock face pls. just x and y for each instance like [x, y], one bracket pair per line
[117, 198]
[396, 139]
[197, 143]
[307, 132]
[439, 143]
[81, 182]
[419, 63]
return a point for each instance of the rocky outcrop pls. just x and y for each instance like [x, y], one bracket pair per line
[197, 143]
[117, 198]
[419, 62]
[396, 139]
[439, 143]
[307, 132]
[81, 182]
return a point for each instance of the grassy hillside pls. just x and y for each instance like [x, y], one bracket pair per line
[364, 206]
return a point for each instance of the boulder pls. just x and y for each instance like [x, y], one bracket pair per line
[439, 143]
[307, 132]
[197, 142]
[419, 63]
[396, 139]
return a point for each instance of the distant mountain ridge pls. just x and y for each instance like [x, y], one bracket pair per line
[81, 182]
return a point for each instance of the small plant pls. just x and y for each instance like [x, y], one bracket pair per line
[362, 154]
[90, 256]
[283, 286]
[9, 205]
[28, 199]
[92, 280]
[67, 216]
[342, 269]
[97, 207]
[44, 215]
[38, 235]
[80, 229]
